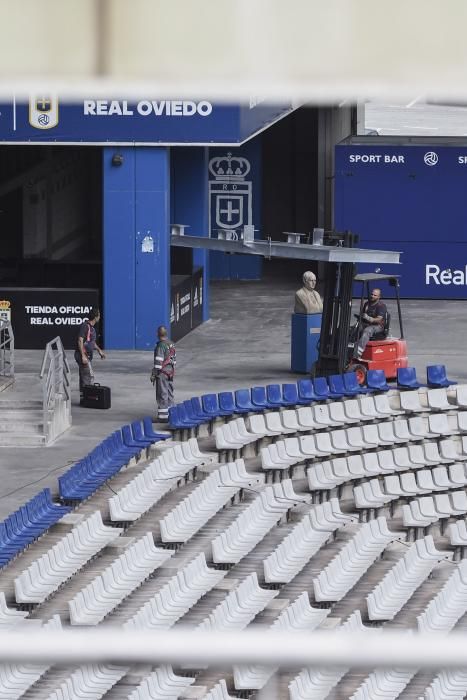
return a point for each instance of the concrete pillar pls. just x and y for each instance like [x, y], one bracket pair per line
[136, 245]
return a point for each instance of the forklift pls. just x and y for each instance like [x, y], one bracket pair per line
[383, 351]
[338, 336]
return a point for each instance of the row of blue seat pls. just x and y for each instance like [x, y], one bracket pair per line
[105, 460]
[27, 524]
[196, 411]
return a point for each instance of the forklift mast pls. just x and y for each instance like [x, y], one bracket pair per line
[337, 307]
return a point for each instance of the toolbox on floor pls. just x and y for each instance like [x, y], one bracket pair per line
[95, 396]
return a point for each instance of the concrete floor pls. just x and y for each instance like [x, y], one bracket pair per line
[246, 342]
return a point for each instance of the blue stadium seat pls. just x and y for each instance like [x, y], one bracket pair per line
[407, 378]
[352, 386]
[27, 524]
[227, 403]
[178, 418]
[198, 410]
[436, 376]
[337, 387]
[321, 388]
[210, 405]
[274, 395]
[290, 395]
[243, 401]
[376, 380]
[150, 433]
[138, 435]
[129, 440]
[191, 414]
[306, 393]
[259, 398]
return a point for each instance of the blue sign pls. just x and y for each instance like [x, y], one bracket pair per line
[45, 119]
[411, 199]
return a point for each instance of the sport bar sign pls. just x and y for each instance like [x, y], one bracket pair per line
[38, 315]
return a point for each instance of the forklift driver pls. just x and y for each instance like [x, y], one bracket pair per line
[373, 319]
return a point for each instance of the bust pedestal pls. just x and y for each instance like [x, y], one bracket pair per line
[306, 329]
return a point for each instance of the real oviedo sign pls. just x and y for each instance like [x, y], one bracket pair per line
[47, 119]
[411, 199]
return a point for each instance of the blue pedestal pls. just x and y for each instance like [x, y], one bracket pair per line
[306, 330]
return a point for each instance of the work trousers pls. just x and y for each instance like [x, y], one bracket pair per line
[86, 374]
[164, 395]
[367, 334]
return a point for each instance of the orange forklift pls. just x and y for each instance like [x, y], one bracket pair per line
[383, 351]
[338, 336]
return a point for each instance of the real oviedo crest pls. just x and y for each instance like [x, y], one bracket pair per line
[43, 111]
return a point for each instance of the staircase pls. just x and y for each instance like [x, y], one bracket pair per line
[21, 423]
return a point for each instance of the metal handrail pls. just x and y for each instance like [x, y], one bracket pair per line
[56, 390]
[7, 349]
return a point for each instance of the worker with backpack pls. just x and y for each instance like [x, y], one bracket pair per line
[162, 375]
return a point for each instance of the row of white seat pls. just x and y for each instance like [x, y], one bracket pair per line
[441, 615]
[102, 595]
[16, 679]
[385, 684]
[177, 596]
[306, 538]
[91, 681]
[449, 605]
[375, 493]
[157, 479]
[240, 607]
[249, 528]
[44, 576]
[10, 617]
[317, 683]
[448, 685]
[161, 683]
[353, 560]
[400, 582]
[328, 474]
[190, 514]
[286, 453]
[239, 432]
[299, 616]
[426, 510]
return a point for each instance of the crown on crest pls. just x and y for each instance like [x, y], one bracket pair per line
[4, 305]
[229, 167]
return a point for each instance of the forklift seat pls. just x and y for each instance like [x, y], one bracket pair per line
[385, 332]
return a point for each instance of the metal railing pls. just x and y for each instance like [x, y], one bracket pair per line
[56, 390]
[7, 349]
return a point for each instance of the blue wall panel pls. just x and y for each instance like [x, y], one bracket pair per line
[412, 199]
[152, 272]
[119, 249]
[189, 204]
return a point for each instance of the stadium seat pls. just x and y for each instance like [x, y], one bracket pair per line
[351, 385]
[305, 391]
[353, 560]
[290, 395]
[337, 386]
[240, 607]
[243, 401]
[198, 411]
[321, 389]
[101, 595]
[274, 395]
[138, 435]
[149, 432]
[178, 419]
[376, 380]
[400, 582]
[227, 403]
[177, 596]
[162, 683]
[407, 378]
[259, 398]
[436, 376]
[210, 405]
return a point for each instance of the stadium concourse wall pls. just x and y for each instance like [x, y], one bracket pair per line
[408, 197]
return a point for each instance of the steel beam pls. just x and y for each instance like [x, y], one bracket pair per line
[276, 249]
